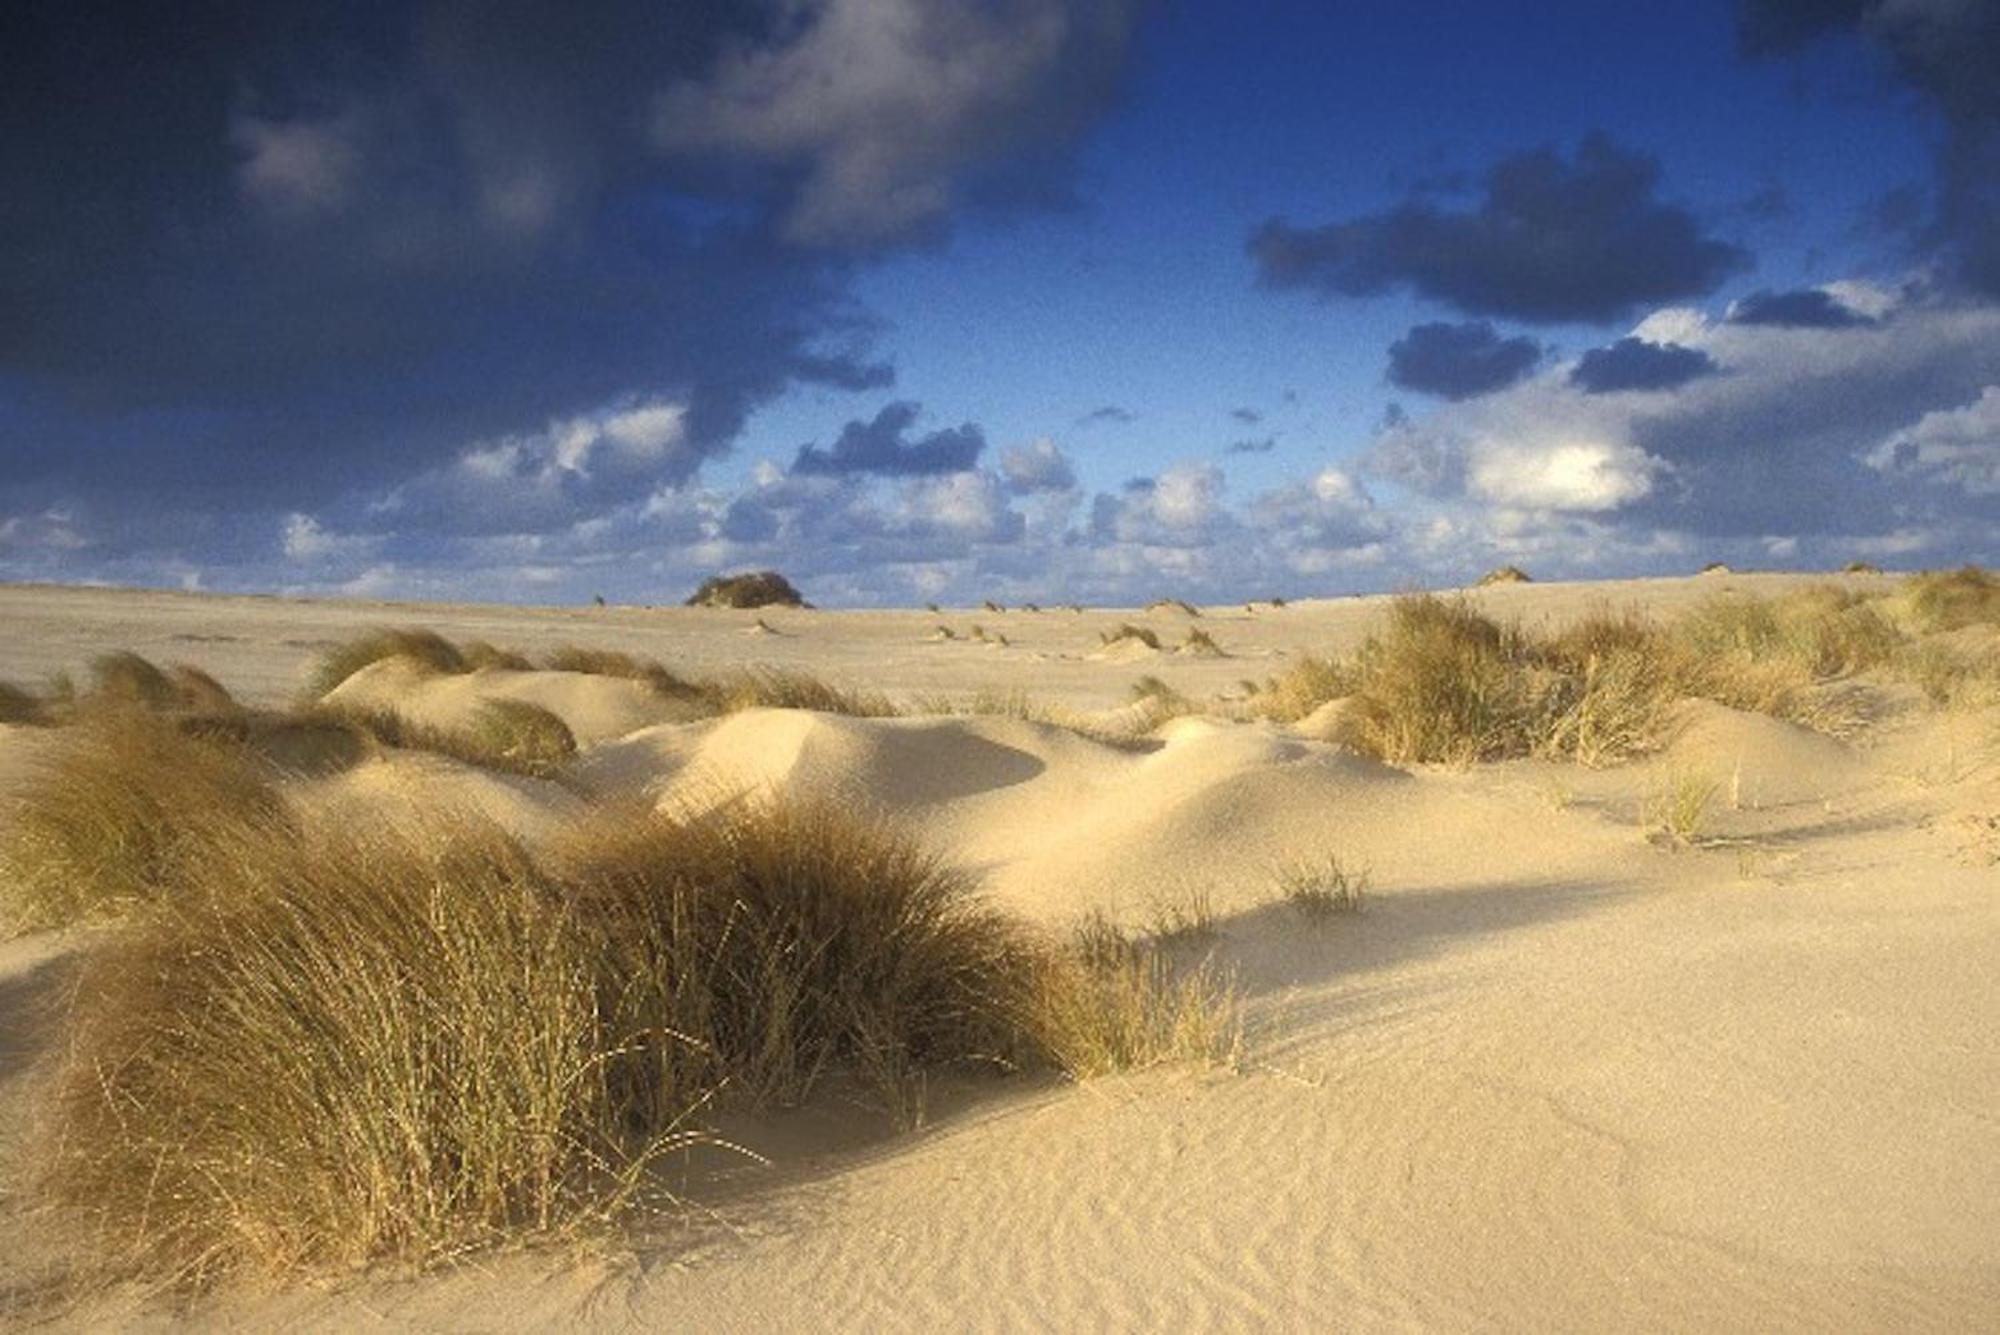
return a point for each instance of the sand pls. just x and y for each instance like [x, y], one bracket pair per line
[1554, 1076]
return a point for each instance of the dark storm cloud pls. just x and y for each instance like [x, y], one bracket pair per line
[1948, 51]
[1460, 361]
[1261, 445]
[1805, 308]
[881, 447]
[257, 254]
[1634, 363]
[1552, 241]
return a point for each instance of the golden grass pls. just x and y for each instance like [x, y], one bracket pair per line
[110, 813]
[479, 654]
[311, 1048]
[1105, 1003]
[425, 648]
[1320, 889]
[1951, 599]
[789, 688]
[125, 677]
[521, 737]
[613, 663]
[1127, 631]
[509, 736]
[1441, 683]
[344, 1049]
[198, 692]
[1200, 643]
[1675, 809]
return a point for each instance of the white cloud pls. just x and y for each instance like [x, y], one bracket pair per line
[1562, 475]
[882, 102]
[1954, 447]
[296, 167]
[1037, 467]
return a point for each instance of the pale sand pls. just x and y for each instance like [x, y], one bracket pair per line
[1553, 1076]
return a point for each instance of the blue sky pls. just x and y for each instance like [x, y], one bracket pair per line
[921, 299]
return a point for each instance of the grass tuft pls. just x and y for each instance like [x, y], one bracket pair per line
[787, 688]
[126, 678]
[110, 814]
[1950, 599]
[1127, 631]
[663, 682]
[521, 737]
[1323, 888]
[1676, 809]
[425, 648]
[478, 654]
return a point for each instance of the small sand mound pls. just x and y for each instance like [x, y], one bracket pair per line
[1766, 761]
[410, 786]
[1126, 649]
[594, 707]
[1335, 721]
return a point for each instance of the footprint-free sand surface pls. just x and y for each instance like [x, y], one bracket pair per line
[1553, 1076]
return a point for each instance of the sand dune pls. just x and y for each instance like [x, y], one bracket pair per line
[1555, 1076]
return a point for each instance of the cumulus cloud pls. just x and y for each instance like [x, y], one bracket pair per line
[883, 447]
[880, 106]
[1553, 240]
[1775, 440]
[1636, 364]
[1952, 447]
[1182, 507]
[1460, 361]
[1037, 467]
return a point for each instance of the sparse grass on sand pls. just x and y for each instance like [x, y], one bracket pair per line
[425, 648]
[1441, 682]
[1950, 599]
[1127, 631]
[510, 736]
[789, 688]
[662, 681]
[478, 654]
[308, 1048]
[1319, 889]
[1675, 809]
[110, 812]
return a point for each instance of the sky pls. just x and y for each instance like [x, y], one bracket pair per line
[943, 300]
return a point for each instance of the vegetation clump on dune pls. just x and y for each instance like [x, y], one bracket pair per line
[1505, 575]
[19, 706]
[1125, 631]
[310, 1048]
[661, 680]
[1442, 682]
[756, 588]
[109, 815]
[426, 649]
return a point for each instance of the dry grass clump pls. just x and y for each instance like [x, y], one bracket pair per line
[1675, 810]
[787, 688]
[110, 814]
[317, 1048]
[662, 681]
[1442, 683]
[18, 706]
[763, 946]
[127, 678]
[344, 1049]
[521, 737]
[1949, 599]
[1323, 888]
[1105, 1002]
[1200, 644]
[1182, 915]
[1303, 687]
[426, 648]
[478, 654]
[1127, 631]
[510, 736]
[1180, 605]
[1827, 630]
[1953, 678]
